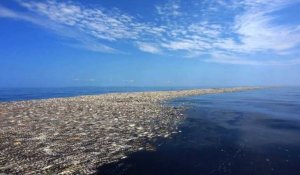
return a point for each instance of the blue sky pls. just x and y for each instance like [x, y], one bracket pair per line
[149, 43]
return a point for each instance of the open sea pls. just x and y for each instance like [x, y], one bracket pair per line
[243, 133]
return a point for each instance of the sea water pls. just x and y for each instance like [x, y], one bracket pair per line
[251, 132]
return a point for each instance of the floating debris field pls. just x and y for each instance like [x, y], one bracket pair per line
[75, 135]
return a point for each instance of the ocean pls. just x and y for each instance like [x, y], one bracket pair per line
[250, 133]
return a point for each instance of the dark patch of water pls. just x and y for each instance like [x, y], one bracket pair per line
[247, 133]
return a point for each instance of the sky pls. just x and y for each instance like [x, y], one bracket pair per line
[54, 43]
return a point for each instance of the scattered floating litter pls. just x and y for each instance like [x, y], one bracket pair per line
[17, 143]
[132, 125]
[47, 150]
[47, 167]
[140, 128]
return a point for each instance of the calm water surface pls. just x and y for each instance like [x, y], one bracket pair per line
[253, 132]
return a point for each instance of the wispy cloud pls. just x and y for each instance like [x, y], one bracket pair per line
[97, 22]
[148, 47]
[94, 28]
[252, 30]
[8, 13]
[169, 9]
[233, 31]
[258, 32]
[83, 40]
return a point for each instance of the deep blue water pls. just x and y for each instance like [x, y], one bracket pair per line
[17, 94]
[244, 133]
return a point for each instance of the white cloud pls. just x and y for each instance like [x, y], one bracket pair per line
[148, 47]
[254, 31]
[7, 13]
[258, 33]
[186, 44]
[83, 40]
[99, 23]
[169, 9]
[92, 27]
